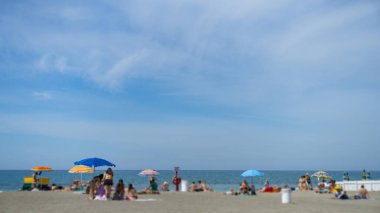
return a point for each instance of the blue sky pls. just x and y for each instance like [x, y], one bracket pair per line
[199, 84]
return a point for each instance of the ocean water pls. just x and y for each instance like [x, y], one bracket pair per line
[219, 180]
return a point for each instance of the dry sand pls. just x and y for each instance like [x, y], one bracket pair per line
[185, 202]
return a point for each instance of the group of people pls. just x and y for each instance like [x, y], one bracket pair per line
[326, 186]
[304, 183]
[362, 194]
[246, 189]
[200, 187]
[101, 186]
[366, 175]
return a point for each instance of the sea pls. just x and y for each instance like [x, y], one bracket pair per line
[219, 180]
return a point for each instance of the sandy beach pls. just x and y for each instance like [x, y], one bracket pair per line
[54, 201]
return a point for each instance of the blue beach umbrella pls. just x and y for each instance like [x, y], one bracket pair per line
[252, 173]
[94, 162]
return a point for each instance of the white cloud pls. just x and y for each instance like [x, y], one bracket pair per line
[52, 63]
[114, 77]
[43, 95]
[318, 37]
[229, 53]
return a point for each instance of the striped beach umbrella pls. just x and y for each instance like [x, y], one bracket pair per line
[150, 172]
[321, 174]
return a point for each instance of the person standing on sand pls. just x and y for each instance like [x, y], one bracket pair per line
[308, 181]
[35, 179]
[108, 182]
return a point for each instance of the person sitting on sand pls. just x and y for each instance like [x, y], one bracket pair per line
[165, 186]
[244, 188]
[74, 187]
[320, 188]
[341, 194]
[193, 187]
[131, 194]
[363, 193]
[344, 196]
[204, 187]
[332, 186]
[153, 185]
[327, 185]
[54, 187]
[119, 191]
[152, 188]
[100, 192]
[231, 192]
[302, 183]
[92, 188]
[252, 190]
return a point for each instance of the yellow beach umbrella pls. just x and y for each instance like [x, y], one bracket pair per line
[81, 169]
[42, 168]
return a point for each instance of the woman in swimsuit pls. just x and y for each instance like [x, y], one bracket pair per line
[108, 182]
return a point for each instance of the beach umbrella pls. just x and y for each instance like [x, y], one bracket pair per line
[42, 168]
[252, 173]
[94, 162]
[149, 172]
[81, 169]
[321, 174]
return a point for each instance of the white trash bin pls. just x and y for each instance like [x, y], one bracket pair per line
[286, 195]
[184, 185]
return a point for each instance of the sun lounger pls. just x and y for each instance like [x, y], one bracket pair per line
[43, 183]
[28, 183]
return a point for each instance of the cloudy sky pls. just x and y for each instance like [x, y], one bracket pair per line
[200, 84]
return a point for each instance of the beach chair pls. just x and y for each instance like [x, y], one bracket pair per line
[28, 183]
[43, 183]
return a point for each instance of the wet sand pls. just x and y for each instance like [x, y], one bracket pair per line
[185, 202]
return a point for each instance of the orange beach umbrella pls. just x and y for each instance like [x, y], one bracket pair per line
[42, 168]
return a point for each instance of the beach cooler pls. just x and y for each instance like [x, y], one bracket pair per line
[28, 183]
